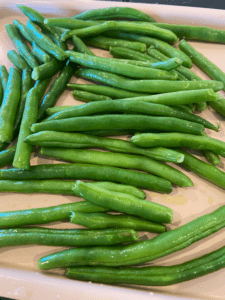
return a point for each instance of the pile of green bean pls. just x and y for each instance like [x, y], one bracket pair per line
[146, 90]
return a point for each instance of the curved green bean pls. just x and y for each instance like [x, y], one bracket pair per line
[63, 237]
[102, 221]
[144, 251]
[148, 86]
[114, 12]
[89, 97]
[165, 174]
[44, 215]
[53, 139]
[145, 108]
[80, 46]
[153, 275]
[105, 64]
[9, 105]
[179, 140]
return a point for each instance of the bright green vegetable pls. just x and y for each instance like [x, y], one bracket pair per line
[22, 29]
[102, 220]
[147, 86]
[179, 140]
[80, 46]
[9, 105]
[153, 275]
[105, 64]
[17, 60]
[53, 139]
[40, 54]
[47, 70]
[144, 251]
[219, 106]
[7, 156]
[124, 161]
[114, 12]
[88, 97]
[66, 237]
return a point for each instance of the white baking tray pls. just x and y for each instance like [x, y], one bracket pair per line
[19, 275]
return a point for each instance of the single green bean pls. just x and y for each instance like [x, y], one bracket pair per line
[104, 90]
[114, 12]
[165, 174]
[148, 86]
[7, 156]
[105, 43]
[202, 62]
[80, 46]
[69, 23]
[88, 97]
[45, 42]
[153, 275]
[9, 105]
[40, 54]
[22, 48]
[56, 89]
[47, 70]
[102, 221]
[143, 28]
[23, 150]
[4, 77]
[203, 169]
[53, 139]
[144, 251]
[44, 215]
[84, 171]
[22, 29]
[123, 203]
[179, 140]
[69, 237]
[211, 156]
[121, 106]
[201, 33]
[17, 60]
[218, 106]
[113, 121]
[105, 64]
[55, 109]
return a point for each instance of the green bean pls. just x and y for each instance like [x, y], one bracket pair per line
[202, 62]
[1, 93]
[166, 174]
[55, 109]
[218, 106]
[76, 140]
[203, 169]
[108, 122]
[22, 29]
[27, 84]
[40, 54]
[211, 157]
[85, 171]
[56, 89]
[201, 33]
[69, 237]
[9, 105]
[148, 86]
[44, 215]
[122, 188]
[179, 140]
[47, 70]
[103, 90]
[89, 97]
[6, 156]
[105, 43]
[145, 108]
[23, 150]
[22, 48]
[153, 275]
[80, 46]
[136, 253]
[69, 23]
[17, 60]
[45, 42]
[102, 221]
[143, 28]
[4, 77]
[37, 18]
[114, 12]
[123, 203]
[117, 67]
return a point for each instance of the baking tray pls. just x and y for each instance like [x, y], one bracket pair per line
[19, 275]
